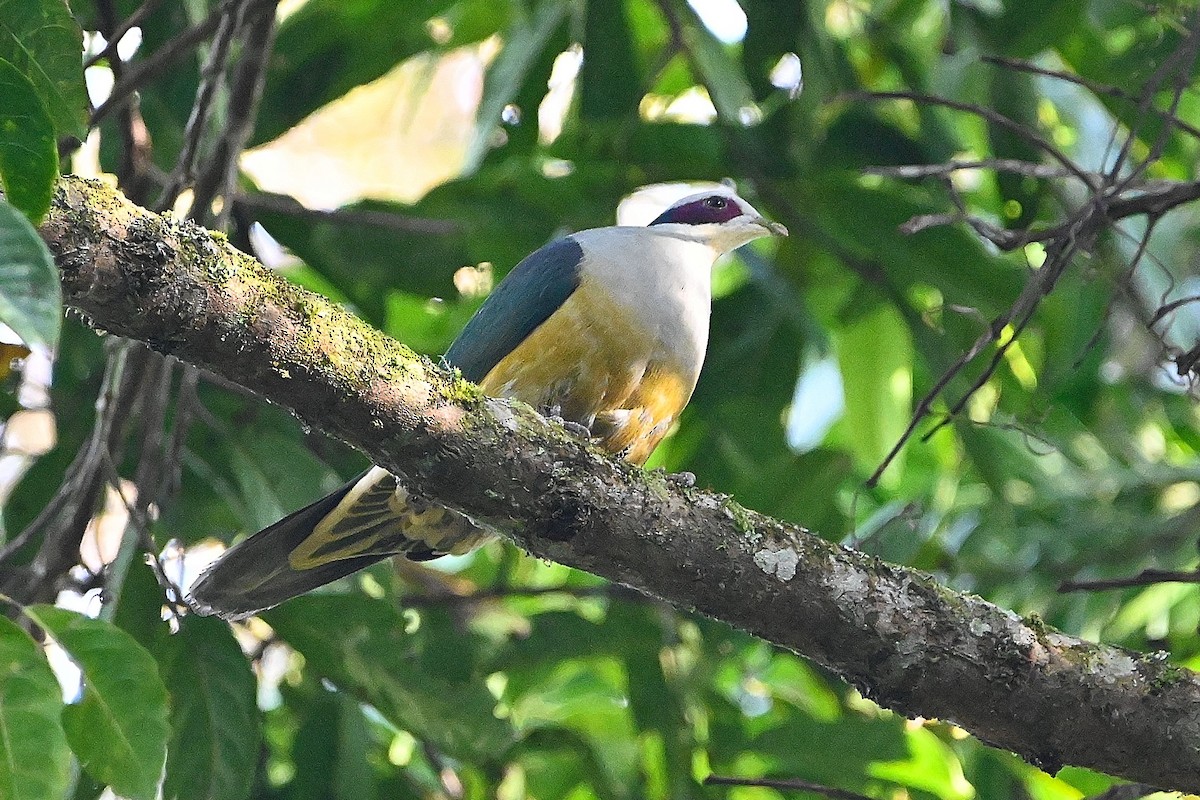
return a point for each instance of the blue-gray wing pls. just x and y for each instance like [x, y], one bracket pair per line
[524, 300]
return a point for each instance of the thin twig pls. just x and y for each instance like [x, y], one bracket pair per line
[219, 175]
[1146, 577]
[1093, 86]
[139, 525]
[1154, 198]
[212, 76]
[786, 785]
[992, 116]
[519, 592]
[186, 401]
[64, 519]
[1014, 165]
[1180, 61]
[282, 204]
[155, 65]
[116, 34]
[1169, 307]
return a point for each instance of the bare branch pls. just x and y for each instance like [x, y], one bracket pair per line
[1014, 165]
[118, 32]
[142, 72]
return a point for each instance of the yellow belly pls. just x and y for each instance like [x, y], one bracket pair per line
[588, 361]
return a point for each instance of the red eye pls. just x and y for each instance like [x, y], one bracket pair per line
[715, 202]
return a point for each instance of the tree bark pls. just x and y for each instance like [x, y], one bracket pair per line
[899, 637]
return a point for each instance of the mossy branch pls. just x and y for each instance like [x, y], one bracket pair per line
[902, 639]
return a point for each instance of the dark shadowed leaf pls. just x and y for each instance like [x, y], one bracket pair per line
[331, 749]
[214, 742]
[360, 644]
[609, 83]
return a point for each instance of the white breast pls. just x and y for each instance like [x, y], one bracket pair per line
[663, 281]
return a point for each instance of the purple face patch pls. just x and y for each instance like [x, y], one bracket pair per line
[714, 208]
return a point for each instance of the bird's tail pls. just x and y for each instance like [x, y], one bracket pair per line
[367, 520]
[257, 573]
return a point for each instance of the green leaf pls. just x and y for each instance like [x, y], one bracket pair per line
[34, 757]
[215, 734]
[523, 45]
[360, 644]
[875, 355]
[426, 267]
[720, 72]
[28, 153]
[43, 41]
[118, 729]
[609, 81]
[330, 751]
[263, 467]
[30, 297]
[930, 766]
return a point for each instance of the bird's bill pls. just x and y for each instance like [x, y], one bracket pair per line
[774, 228]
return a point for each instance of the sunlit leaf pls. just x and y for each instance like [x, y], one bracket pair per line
[875, 357]
[335, 45]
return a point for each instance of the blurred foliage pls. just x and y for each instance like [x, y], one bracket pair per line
[1075, 459]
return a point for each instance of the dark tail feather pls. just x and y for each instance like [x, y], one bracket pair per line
[255, 574]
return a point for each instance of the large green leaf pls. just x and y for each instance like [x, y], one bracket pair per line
[34, 756]
[30, 297]
[118, 729]
[28, 153]
[43, 41]
[214, 744]
[359, 643]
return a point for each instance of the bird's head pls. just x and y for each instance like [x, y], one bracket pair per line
[719, 218]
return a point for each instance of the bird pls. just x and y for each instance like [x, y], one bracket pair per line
[605, 329]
